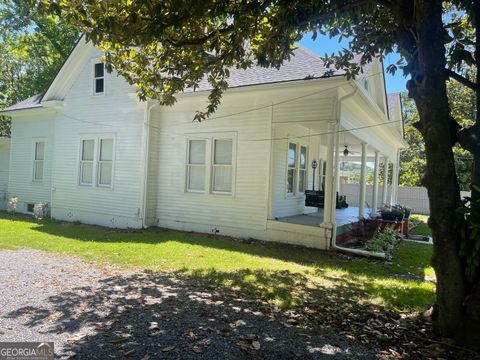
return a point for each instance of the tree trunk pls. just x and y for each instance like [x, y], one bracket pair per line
[428, 89]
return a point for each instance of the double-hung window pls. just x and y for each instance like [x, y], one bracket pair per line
[297, 170]
[222, 167]
[210, 166]
[105, 160]
[96, 162]
[302, 170]
[98, 78]
[292, 168]
[38, 161]
[196, 165]
[87, 161]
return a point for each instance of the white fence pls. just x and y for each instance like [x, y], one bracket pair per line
[413, 197]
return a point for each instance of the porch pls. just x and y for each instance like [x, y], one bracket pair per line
[343, 218]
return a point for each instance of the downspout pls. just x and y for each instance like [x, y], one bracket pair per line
[146, 153]
[333, 239]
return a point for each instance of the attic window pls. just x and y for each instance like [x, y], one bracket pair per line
[99, 79]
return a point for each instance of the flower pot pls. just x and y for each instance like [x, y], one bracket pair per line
[390, 216]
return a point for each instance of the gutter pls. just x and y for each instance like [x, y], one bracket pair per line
[146, 152]
[333, 239]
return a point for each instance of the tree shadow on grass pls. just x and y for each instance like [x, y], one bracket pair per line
[204, 316]
[316, 259]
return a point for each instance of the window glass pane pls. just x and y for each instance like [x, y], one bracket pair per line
[105, 173]
[222, 178]
[196, 178]
[290, 180]
[99, 70]
[303, 157]
[292, 154]
[99, 86]
[38, 170]
[223, 152]
[39, 150]
[197, 152]
[301, 181]
[106, 149]
[86, 173]
[87, 149]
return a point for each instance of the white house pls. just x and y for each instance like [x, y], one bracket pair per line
[96, 154]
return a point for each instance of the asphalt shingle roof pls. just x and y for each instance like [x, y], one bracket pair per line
[30, 103]
[302, 66]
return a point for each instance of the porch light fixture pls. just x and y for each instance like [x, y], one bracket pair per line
[314, 166]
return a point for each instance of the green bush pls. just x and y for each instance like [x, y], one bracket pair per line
[383, 241]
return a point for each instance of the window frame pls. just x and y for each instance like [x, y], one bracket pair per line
[96, 161]
[209, 163]
[296, 180]
[294, 168]
[190, 165]
[100, 162]
[305, 170]
[35, 160]
[94, 78]
[213, 165]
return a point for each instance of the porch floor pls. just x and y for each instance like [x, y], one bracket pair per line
[343, 218]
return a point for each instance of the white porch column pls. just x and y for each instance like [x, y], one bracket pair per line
[375, 183]
[336, 175]
[385, 180]
[395, 173]
[327, 214]
[363, 187]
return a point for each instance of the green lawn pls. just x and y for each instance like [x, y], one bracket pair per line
[282, 275]
[422, 228]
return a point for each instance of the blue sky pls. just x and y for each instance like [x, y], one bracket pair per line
[324, 45]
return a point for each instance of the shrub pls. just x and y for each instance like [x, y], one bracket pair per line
[383, 241]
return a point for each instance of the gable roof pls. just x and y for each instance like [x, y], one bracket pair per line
[303, 65]
[30, 103]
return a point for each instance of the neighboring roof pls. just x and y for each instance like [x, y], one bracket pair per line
[30, 103]
[4, 138]
[393, 100]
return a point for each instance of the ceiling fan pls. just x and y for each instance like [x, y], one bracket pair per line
[346, 152]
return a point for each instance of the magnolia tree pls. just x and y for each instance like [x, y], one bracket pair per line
[165, 46]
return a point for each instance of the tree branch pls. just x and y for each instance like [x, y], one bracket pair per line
[462, 80]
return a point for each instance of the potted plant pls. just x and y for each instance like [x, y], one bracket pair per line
[392, 213]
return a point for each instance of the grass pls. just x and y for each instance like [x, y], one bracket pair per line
[422, 228]
[285, 276]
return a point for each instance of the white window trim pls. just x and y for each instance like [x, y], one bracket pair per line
[305, 179]
[34, 160]
[100, 162]
[296, 192]
[213, 165]
[209, 163]
[288, 167]
[96, 161]
[188, 166]
[94, 61]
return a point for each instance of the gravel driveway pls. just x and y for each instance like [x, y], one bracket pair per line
[112, 314]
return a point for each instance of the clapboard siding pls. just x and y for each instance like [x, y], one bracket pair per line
[284, 204]
[25, 130]
[169, 205]
[4, 170]
[117, 113]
